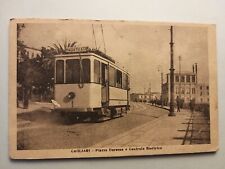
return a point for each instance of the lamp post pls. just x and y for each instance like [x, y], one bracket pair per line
[171, 113]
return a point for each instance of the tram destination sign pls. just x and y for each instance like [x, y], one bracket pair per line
[73, 49]
[138, 88]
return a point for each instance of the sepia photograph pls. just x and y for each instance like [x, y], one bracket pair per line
[96, 88]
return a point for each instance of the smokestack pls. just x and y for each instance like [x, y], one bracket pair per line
[196, 68]
[193, 68]
[196, 71]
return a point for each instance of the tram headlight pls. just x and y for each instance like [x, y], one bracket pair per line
[70, 96]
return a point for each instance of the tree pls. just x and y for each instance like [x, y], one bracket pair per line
[22, 69]
[61, 49]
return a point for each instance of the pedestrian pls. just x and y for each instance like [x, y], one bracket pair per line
[178, 103]
[192, 105]
[155, 101]
[25, 97]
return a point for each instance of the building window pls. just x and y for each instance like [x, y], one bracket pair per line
[182, 90]
[200, 93]
[96, 71]
[177, 90]
[193, 90]
[193, 78]
[59, 71]
[177, 78]
[207, 87]
[188, 78]
[200, 87]
[182, 78]
[188, 91]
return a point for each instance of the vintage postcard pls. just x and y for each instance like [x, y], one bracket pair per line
[92, 88]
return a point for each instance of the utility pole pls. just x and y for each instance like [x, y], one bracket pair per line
[179, 77]
[172, 113]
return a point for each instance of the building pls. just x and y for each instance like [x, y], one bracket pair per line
[155, 96]
[186, 86]
[202, 93]
[140, 97]
[144, 97]
[30, 53]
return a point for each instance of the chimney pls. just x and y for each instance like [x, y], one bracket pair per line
[196, 68]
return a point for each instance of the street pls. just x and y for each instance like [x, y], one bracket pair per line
[143, 125]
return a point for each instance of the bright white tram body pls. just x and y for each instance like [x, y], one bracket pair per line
[88, 83]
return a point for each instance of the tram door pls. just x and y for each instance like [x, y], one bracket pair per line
[105, 84]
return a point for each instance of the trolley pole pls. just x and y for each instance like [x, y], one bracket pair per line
[172, 113]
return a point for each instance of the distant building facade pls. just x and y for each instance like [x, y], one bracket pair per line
[186, 86]
[30, 52]
[144, 97]
[202, 93]
[140, 97]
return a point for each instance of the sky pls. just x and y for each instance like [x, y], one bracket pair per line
[140, 47]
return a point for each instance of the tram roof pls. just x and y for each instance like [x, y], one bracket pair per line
[84, 50]
[95, 51]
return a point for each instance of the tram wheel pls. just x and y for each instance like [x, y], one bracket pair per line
[95, 118]
[113, 112]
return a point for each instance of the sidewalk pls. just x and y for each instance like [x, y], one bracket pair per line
[167, 130]
[33, 106]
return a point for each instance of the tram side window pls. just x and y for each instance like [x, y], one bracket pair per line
[72, 71]
[118, 79]
[128, 82]
[86, 70]
[112, 76]
[96, 71]
[124, 83]
[59, 71]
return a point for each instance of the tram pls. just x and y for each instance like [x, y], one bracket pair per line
[89, 84]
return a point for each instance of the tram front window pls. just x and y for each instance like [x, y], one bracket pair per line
[72, 71]
[59, 71]
[86, 70]
[77, 72]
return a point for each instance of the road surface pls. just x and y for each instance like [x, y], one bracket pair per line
[41, 129]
